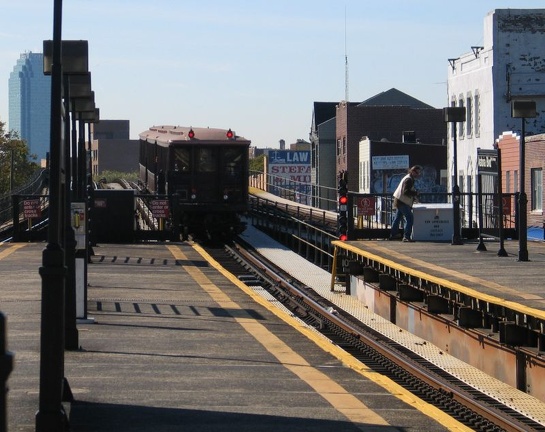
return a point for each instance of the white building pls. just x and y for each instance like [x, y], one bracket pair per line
[510, 65]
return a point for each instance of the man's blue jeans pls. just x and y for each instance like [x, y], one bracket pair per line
[403, 211]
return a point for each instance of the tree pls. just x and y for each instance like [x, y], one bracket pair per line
[14, 153]
[257, 163]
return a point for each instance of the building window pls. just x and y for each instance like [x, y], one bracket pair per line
[338, 147]
[477, 114]
[508, 181]
[469, 116]
[515, 181]
[537, 189]
[344, 145]
[461, 124]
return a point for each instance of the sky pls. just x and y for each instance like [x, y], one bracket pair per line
[255, 66]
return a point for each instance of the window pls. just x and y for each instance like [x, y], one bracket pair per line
[508, 181]
[477, 113]
[515, 181]
[469, 116]
[537, 189]
[461, 124]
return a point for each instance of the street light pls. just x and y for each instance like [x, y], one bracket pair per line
[455, 115]
[50, 415]
[523, 110]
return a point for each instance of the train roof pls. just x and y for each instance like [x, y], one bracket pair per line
[181, 134]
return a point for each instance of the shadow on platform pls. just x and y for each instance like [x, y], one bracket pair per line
[90, 417]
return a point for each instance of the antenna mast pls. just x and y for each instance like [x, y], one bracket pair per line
[345, 61]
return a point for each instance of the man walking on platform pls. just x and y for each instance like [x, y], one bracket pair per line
[404, 197]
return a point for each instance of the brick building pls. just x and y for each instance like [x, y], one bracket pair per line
[509, 143]
[392, 116]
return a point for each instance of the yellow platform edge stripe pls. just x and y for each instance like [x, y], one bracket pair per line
[444, 282]
[321, 341]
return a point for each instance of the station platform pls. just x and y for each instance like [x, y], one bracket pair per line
[172, 342]
[503, 280]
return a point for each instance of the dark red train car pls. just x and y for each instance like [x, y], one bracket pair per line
[204, 172]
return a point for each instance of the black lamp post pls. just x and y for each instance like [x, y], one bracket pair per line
[60, 58]
[523, 110]
[50, 415]
[455, 115]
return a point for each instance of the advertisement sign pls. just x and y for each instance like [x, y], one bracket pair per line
[390, 162]
[487, 161]
[290, 171]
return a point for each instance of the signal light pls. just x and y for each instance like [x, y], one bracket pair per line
[191, 133]
[342, 207]
[230, 134]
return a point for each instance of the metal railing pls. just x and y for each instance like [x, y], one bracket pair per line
[380, 215]
[35, 186]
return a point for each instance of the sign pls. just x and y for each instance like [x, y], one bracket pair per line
[32, 209]
[487, 161]
[101, 202]
[433, 222]
[506, 204]
[366, 206]
[290, 172]
[77, 210]
[390, 162]
[159, 208]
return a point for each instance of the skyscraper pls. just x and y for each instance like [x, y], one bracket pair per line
[29, 103]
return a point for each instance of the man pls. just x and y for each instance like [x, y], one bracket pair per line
[404, 197]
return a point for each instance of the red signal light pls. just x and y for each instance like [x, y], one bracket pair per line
[343, 237]
[191, 134]
[229, 134]
[343, 199]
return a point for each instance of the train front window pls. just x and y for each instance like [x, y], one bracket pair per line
[206, 160]
[233, 161]
[181, 159]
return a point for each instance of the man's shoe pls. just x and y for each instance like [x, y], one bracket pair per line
[408, 240]
[395, 237]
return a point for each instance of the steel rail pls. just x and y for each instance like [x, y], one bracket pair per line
[502, 417]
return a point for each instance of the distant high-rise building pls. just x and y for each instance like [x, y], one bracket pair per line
[30, 103]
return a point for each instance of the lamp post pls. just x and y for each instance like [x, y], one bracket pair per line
[60, 58]
[50, 415]
[455, 115]
[523, 110]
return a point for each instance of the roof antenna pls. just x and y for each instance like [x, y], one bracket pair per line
[345, 61]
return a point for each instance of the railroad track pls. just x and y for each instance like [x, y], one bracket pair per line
[468, 405]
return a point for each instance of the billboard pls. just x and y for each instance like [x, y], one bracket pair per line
[290, 172]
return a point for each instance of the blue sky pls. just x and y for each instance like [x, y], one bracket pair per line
[255, 66]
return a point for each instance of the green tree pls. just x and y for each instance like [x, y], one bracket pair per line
[257, 163]
[14, 153]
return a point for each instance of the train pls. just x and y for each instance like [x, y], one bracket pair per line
[203, 172]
